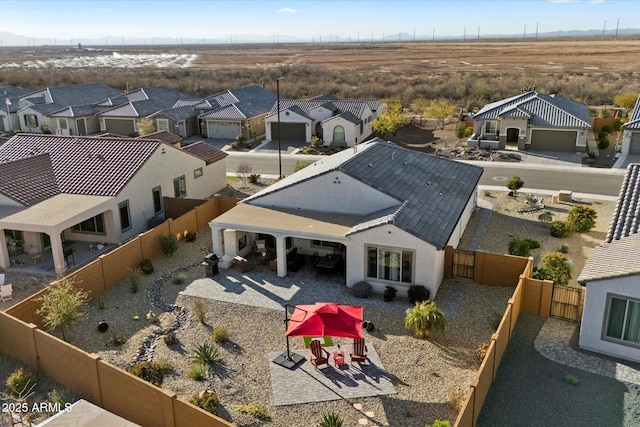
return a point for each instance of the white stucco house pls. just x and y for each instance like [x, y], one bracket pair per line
[388, 213]
[56, 189]
[341, 122]
[533, 121]
[611, 277]
[631, 133]
[9, 107]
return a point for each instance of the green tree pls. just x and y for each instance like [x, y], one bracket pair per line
[425, 318]
[440, 109]
[626, 100]
[62, 305]
[554, 267]
[522, 247]
[514, 184]
[146, 126]
[391, 120]
[460, 131]
[582, 218]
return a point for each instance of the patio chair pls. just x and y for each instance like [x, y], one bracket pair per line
[5, 292]
[358, 351]
[319, 356]
[261, 245]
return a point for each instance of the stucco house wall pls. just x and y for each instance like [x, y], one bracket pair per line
[42, 120]
[351, 131]
[288, 116]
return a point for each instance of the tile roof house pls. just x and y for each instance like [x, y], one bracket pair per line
[235, 112]
[631, 133]
[387, 213]
[63, 110]
[533, 121]
[611, 277]
[93, 189]
[341, 122]
[10, 95]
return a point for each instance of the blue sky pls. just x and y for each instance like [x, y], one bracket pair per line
[241, 19]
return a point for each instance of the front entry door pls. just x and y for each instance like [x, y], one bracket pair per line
[512, 135]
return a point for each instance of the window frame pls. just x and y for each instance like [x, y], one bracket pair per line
[344, 135]
[129, 225]
[180, 187]
[197, 173]
[625, 320]
[160, 204]
[77, 228]
[162, 124]
[494, 124]
[27, 121]
[405, 276]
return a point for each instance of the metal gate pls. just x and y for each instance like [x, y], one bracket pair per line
[463, 264]
[565, 303]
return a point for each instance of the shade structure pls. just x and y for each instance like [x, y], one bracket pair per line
[326, 319]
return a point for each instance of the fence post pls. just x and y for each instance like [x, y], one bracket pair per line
[33, 349]
[95, 380]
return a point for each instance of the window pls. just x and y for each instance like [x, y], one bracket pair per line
[62, 123]
[338, 134]
[92, 225]
[157, 199]
[490, 126]
[31, 120]
[325, 244]
[162, 124]
[103, 124]
[624, 320]
[197, 173]
[125, 217]
[180, 187]
[242, 242]
[390, 264]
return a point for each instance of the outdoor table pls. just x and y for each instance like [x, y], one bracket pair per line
[338, 358]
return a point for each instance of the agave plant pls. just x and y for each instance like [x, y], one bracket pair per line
[206, 353]
[425, 318]
[331, 420]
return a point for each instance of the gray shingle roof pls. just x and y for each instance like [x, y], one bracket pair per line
[347, 116]
[249, 101]
[78, 111]
[14, 94]
[618, 255]
[634, 118]
[228, 112]
[353, 106]
[177, 113]
[541, 109]
[143, 102]
[432, 192]
[65, 96]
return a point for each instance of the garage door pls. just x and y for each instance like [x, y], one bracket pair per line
[290, 131]
[223, 130]
[634, 148]
[119, 127]
[552, 140]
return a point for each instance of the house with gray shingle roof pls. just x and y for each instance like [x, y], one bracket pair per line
[377, 212]
[611, 277]
[631, 133]
[9, 97]
[532, 121]
[340, 122]
[93, 189]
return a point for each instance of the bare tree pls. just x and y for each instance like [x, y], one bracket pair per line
[243, 171]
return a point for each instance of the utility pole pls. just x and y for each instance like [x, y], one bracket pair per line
[478, 32]
[536, 31]
[279, 129]
[603, 28]
[617, 25]
[433, 35]
[524, 33]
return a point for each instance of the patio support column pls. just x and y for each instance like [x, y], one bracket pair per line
[281, 254]
[216, 241]
[58, 256]
[4, 253]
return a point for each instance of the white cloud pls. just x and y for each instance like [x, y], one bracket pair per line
[288, 10]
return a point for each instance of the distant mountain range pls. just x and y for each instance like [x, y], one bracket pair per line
[10, 39]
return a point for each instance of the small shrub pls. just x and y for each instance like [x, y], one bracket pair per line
[582, 218]
[606, 129]
[546, 216]
[417, 293]
[331, 420]
[200, 311]
[439, 423]
[457, 398]
[481, 351]
[220, 335]
[206, 353]
[254, 177]
[361, 289]
[603, 140]
[571, 379]
[495, 319]
[514, 184]
[118, 339]
[555, 267]
[564, 249]
[235, 145]
[198, 371]
[171, 338]
[21, 381]
[488, 193]
[560, 229]
[256, 410]
[468, 131]
[101, 305]
[134, 282]
[207, 400]
[179, 279]
[190, 236]
[153, 372]
[389, 293]
[146, 266]
[522, 247]
[169, 244]
[64, 397]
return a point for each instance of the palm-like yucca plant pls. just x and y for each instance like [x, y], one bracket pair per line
[206, 353]
[522, 247]
[425, 318]
[331, 420]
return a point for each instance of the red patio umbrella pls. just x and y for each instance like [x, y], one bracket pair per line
[326, 319]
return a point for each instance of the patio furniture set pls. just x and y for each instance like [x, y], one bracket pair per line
[320, 356]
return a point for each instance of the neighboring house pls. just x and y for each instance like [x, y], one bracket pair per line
[64, 110]
[389, 212]
[181, 120]
[533, 121]
[122, 114]
[9, 106]
[164, 136]
[341, 122]
[611, 277]
[94, 189]
[631, 134]
[235, 112]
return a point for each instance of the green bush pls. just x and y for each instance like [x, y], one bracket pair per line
[207, 400]
[235, 145]
[582, 218]
[64, 397]
[389, 293]
[603, 140]
[555, 267]
[425, 318]
[522, 247]
[564, 249]
[171, 338]
[220, 335]
[21, 381]
[254, 177]
[331, 420]
[606, 129]
[198, 371]
[468, 132]
[361, 289]
[560, 229]
[169, 244]
[514, 184]
[206, 353]
[571, 379]
[439, 423]
[153, 372]
[256, 410]
[146, 266]
[179, 279]
[417, 293]
[200, 311]
[134, 282]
